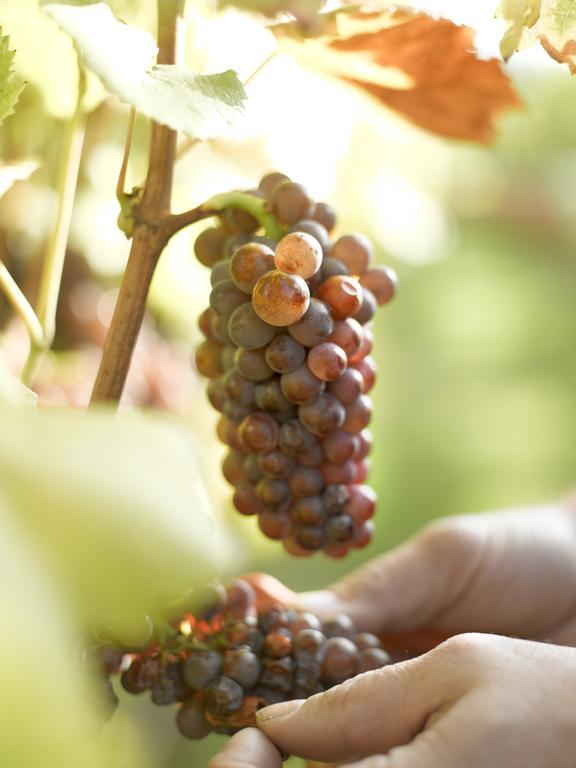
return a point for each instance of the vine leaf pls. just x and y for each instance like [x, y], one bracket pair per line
[552, 23]
[424, 68]
[202, 106]
[10, 86]
[303, 10]
[16, 171]
[116, 507]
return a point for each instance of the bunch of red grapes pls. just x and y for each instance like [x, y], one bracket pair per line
[287, 352]
[224, 663]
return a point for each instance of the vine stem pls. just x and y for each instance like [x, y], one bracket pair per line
[53, 264]
[21, 306]
[150, 236]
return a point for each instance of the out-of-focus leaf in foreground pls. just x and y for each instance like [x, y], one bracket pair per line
[10, 86]
[18, 171]
[114, 506]
[45, 702]
[202, 106]
[550, 22]
[425, 69]
[303, 10]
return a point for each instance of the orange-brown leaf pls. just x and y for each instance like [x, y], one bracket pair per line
[424, 68]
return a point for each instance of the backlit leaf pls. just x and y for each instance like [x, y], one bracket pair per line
[202, 106]
[10, 86]
[425, 69]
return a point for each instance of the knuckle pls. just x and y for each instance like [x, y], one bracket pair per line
[448, 537]
[470, 646]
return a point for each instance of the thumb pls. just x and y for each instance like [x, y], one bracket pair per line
[367, 715]
[247, 749]
[405, 589]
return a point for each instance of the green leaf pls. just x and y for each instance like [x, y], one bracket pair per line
[116, 507]
[10, 87]
[303, 10]
[16, 171]
[552, 23]
[202, 106]
[40, 653]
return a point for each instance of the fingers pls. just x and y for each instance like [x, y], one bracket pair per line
[427, 750]
[408, 587]
[247, 749]
[268, 588]
[366, 715]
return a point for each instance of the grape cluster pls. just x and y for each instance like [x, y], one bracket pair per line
[224, 663]
[287, 351]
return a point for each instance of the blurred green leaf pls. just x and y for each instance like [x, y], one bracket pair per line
[114, 505]
[38, 653]
[10, 87]
[202, 106]
[303, 10]
[18, 171]
[12, 391]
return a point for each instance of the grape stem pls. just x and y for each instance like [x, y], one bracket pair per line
[53, 264]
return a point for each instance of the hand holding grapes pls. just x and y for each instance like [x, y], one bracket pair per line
[475, 700]
[512, 572]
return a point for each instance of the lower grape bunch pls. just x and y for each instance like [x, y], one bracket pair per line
[226, 662]
[287, 352]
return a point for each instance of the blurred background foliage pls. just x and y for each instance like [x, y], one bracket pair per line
[475, 406]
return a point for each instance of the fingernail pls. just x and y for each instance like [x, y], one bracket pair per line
[276, 711]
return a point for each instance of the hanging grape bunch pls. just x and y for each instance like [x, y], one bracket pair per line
[287, 352]
[223, 664]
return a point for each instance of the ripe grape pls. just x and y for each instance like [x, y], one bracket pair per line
[315, 325]
[367, 367]
[309, 536]
[335, 498]
[340, 528]
[367, 308]
[309, 511]
[298, 254]
[301, 385]
[358, 415]
[290, 202]
[284, 354]
[249, 263]
[271, 181]
[238, 389]
[339, 446]
[233, 468]
[381, 282]
[355, 251]
[332, 267]
[361, 503]
[269, 397]
[340, 660]
[191, 722]
[280, 299]
[272, 492]
[322, 415]
[327, 361]
[325, 214]
[209, 359]
[242, 666]
[372, 658]
[343, 473]
[348, 387]
[236, 220]
[247, 329]
[251, 363]
[259, 432]
[342, 294]
[275, 525]
[349, 335]
[201, 668]
[225, 297]
[246, 501]
[276, 464]
[223, 697]
[209, 245]
[315, 230]
[306, 481]
[295, 439]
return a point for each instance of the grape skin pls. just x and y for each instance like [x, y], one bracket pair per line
[298, 254]
[280, 299]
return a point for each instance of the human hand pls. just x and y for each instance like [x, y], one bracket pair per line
[478, 700]
[511, 572]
